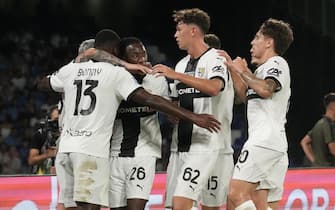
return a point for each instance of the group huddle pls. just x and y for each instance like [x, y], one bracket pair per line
[111, 137]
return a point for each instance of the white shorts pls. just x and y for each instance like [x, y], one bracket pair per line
[171, 177]
[193, 172]
[217, 187]
[130, 178]
[82, 178]
[264, 166]
[277, 178]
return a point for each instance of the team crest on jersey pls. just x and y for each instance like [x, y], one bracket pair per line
[274, 72]
[201, 71]
[217, 69]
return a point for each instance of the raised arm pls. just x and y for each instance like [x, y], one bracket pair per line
[163, 105]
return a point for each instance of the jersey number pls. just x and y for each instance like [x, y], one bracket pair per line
[191, 175]
[243, 156]
[138, 173]
[91, 84]
[212, 183]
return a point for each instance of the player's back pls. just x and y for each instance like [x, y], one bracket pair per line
[93, 92]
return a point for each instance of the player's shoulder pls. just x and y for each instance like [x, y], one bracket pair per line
[212, 56]
[276, 61]
[184, 60]
[151, 81]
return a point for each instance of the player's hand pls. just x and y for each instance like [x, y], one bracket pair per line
[162, 70]
[237, 65]
[207, 121]
[137, 68]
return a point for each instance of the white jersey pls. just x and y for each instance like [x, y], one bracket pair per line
[137, 131]
[174, 136]
[92, 91]
[190, 136]
[267, 117]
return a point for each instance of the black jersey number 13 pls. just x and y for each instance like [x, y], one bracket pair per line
[91, 84]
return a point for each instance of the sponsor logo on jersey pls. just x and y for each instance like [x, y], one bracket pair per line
[72, 132]
[188, 90]
[139, 109]
[274, 72]
[217, 69]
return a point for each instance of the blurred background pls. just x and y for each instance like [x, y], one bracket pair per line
[39, 36]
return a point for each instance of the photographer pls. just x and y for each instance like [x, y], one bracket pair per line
[42, 150]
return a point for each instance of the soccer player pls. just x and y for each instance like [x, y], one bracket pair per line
[262, 164]
[93, 91]
[136, 140]
[203, 85]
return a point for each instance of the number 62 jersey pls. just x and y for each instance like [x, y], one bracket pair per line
[190, 136]
[93, 92]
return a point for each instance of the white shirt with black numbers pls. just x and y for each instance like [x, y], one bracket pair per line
[93, 92]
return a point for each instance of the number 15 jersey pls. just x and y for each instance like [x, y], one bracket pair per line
[93, 92]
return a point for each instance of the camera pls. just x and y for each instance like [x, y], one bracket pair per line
[50, 129]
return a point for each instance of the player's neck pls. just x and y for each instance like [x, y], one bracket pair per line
[197, 49]
[267, 55]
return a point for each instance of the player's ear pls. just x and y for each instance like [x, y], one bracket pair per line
[269, 42]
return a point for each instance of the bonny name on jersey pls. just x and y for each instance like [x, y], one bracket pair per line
[89, 72]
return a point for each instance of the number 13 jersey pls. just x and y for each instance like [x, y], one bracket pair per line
[93, 92]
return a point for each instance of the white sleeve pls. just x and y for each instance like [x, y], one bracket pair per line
[276, 70]
[161, 87]
[57, 79]
[217, 69]
[126, 83]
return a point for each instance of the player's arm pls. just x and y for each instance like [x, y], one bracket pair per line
[263, 87]
[211, 87]
[306, 144]
[163, 105]
[103, 56]
[240, 87]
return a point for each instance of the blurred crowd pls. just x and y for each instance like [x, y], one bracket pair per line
[24, 57]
